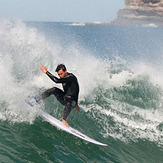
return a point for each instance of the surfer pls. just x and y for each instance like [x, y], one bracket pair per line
[68, 96]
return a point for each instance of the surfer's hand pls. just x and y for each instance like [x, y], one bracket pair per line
[65, 123]
[43, 69]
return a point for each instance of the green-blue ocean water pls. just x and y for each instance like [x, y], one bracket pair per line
[120, 74]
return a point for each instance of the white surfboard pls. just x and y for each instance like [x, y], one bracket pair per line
[55, 122]
[60, 125]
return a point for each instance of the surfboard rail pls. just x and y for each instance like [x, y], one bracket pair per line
[57, 123]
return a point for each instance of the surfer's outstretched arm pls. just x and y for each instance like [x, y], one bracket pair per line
[54, 78]
[45, 70]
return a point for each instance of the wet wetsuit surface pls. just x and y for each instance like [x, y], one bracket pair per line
[69, 83]
[68, 97]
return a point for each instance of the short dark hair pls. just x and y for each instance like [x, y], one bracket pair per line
[61, 66]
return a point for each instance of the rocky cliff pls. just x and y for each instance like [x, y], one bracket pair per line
[141, 12]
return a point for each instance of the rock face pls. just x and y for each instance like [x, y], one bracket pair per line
[141, 12]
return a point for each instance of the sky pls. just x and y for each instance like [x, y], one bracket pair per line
[61, 10]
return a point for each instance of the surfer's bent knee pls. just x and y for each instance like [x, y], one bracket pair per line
[47, 93]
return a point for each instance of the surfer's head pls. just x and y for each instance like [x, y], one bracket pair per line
[61, 70]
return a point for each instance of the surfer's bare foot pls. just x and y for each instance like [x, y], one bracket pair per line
[65, 123]
[77, 108]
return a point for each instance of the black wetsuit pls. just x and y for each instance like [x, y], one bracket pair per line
[68, 97]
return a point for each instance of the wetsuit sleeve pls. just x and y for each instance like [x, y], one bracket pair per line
[59, 80]
[52, 77]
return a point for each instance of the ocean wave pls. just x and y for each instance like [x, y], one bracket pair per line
[126, 101]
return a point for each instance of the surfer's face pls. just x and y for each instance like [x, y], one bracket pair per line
[62, 74]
